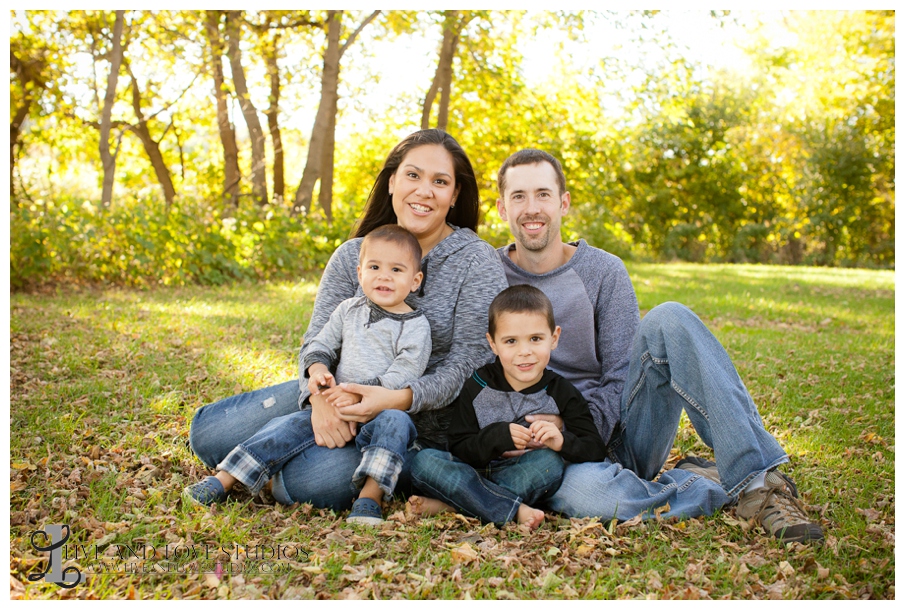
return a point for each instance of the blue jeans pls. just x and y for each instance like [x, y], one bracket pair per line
[383, 443]
[315, 474]
[492, 494]
[676, 364]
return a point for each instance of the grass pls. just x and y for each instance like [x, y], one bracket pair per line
[104, 384]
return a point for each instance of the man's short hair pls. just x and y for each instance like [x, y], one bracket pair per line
[520, 299]
[395, 234]
[530, 156]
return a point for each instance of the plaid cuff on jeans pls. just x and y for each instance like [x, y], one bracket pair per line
[381, 465]
[247, 470]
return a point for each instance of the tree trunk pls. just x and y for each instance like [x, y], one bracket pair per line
[108, 159]
[255, 132]
[452, 27]
[33, 85]
[320, 147]
[329, 90]
[14, 127]
[325, 196]
[231, 173]
[273, 112]
[152, 147]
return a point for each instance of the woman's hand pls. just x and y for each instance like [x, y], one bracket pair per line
[329, 429]
[374, 399]
[337, 397]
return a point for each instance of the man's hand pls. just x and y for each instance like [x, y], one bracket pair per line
[329, 430]
[547, 434]
[549, 417]
[319, 377]
[521, 436]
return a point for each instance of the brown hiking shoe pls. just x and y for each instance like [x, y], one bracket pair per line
[777, 510]
[700, 466]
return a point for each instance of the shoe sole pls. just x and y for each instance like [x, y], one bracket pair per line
[701, 467]
[812, 534]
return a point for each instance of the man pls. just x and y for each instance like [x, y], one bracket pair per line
[638, 376]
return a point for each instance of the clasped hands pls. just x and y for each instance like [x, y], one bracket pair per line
[544, 431]
[337, 409]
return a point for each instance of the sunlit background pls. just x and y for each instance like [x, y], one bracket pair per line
[696, 135]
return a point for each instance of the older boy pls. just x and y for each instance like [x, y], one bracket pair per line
[489, 419]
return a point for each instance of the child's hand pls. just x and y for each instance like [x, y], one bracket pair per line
[547, 434]
[521, 436]
[338, 397]
[319, 377]
[556, 420]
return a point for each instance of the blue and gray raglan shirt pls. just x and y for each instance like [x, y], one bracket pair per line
[595, 304]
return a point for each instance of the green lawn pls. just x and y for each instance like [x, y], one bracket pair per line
[104, 384]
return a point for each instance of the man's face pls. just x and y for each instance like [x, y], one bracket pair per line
[533, 206]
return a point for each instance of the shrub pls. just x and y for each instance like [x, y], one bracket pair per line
[143, 242]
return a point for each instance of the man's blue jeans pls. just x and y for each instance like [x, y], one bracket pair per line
[492, 494]
[315, 474]
[676, 364]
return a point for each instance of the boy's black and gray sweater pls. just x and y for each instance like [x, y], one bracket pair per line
[462, 274]
[479, 430]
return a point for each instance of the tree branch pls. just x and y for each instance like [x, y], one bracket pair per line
[352, 36]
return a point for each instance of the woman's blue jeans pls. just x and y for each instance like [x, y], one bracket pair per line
[314, 474]
[676, 364]
[492, 494]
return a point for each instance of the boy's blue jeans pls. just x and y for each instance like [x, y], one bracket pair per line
[492, 494]
[382, 442]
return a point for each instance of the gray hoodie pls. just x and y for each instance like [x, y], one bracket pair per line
[462, 275]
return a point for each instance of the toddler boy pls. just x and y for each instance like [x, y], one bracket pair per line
[374, 339]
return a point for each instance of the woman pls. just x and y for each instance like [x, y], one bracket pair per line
[428, 186]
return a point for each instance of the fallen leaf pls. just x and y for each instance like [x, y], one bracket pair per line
[870, 514]
[463, 553]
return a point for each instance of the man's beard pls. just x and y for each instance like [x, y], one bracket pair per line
[537, 242]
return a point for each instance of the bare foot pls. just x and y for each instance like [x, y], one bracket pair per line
[530, 516]
[419, 506]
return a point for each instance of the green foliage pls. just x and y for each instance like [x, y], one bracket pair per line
[666, 158]
[144, 243]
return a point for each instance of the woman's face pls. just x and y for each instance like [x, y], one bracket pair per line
[423, 189]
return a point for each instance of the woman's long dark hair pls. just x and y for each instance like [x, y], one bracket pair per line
[379, 209]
